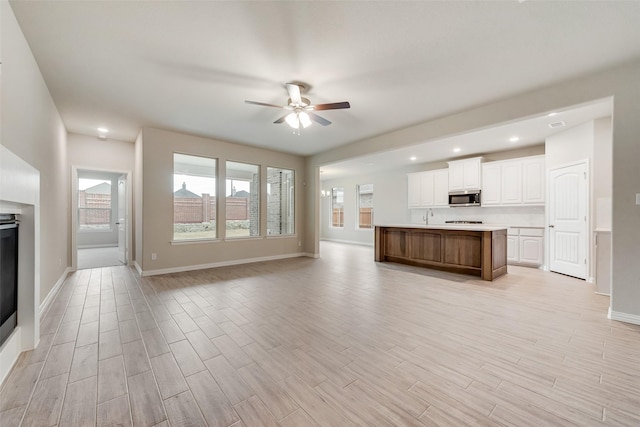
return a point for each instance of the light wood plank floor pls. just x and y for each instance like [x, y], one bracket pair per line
[335, 341]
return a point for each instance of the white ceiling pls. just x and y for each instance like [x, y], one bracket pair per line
[189, 66]
[530, 131]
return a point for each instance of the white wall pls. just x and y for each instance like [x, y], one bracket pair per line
[389, 204]
[569, 146]
[33, 130]
[591, 141]
[622, 83]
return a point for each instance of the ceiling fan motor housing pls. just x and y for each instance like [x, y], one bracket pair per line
[304, 103]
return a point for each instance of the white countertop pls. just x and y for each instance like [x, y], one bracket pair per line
[466, 227]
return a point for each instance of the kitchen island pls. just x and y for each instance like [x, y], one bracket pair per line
[479, 250]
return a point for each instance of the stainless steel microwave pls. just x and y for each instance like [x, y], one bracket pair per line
[464, 198]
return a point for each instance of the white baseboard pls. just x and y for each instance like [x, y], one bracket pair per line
[138, 268]
[106, 245]
[624, 317]
[349, 242]
[310, 255]
[145, 273]
[44, 306]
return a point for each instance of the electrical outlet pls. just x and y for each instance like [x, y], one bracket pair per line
[299, 243]
[637, 198]
[154, 256]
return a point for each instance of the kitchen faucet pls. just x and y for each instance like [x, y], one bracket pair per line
[426, 217]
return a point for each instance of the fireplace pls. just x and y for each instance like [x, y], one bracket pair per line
[8, 275]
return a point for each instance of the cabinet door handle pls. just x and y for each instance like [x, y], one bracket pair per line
[552, 226]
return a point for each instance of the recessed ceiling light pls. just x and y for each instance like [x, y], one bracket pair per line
[552, 114]
[456, 150]
[103, 130]
[412, 158]
[514, 139]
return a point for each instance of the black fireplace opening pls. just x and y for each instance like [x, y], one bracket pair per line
[8, 275]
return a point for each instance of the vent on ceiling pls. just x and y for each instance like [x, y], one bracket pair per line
[557, 124]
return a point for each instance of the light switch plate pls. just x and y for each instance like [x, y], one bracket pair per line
[637, 198]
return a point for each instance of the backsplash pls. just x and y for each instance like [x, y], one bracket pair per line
[513, 216]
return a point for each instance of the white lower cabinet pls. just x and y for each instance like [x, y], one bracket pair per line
[525, 245]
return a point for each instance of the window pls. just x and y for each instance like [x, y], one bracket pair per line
[243, 200]
[194, 197]
[280, 201]
[94, 205]
[337, 207]
[365, 206]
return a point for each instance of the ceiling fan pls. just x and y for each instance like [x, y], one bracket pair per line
[302, 112]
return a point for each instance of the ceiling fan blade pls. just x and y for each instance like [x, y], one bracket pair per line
[320, 120]
[294, 93]
[281, 119]
[264, 104]
[332, 106]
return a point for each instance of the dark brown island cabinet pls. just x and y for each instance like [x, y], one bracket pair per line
[476, 250]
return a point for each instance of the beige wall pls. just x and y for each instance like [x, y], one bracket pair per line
[136, 247]
[602, 172]
[156, 218]
[34, 131]
[88, 152]
[623, 83]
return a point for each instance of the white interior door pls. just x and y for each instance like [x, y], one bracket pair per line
[568, 220]
[122, 219]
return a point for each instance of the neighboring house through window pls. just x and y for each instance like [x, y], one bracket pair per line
[94, 205]
[194, 197]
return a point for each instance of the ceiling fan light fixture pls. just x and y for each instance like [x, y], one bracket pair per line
[293, 120]
[305, 120]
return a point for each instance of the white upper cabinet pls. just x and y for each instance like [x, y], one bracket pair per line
[414, 193]
[514, 182]
[441, 187]
[428, 189]
[511, 183]
[465, 174]
[533, 174]
[491, 184]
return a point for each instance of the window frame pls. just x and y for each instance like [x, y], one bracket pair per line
[108, 229]
[340, 212]
[292, 203]
[215, 211]
[359, 208]
[258, 188]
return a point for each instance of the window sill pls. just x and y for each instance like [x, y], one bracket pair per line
[242, 238]
[281, 236]
[194, 241]
[364, 229]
